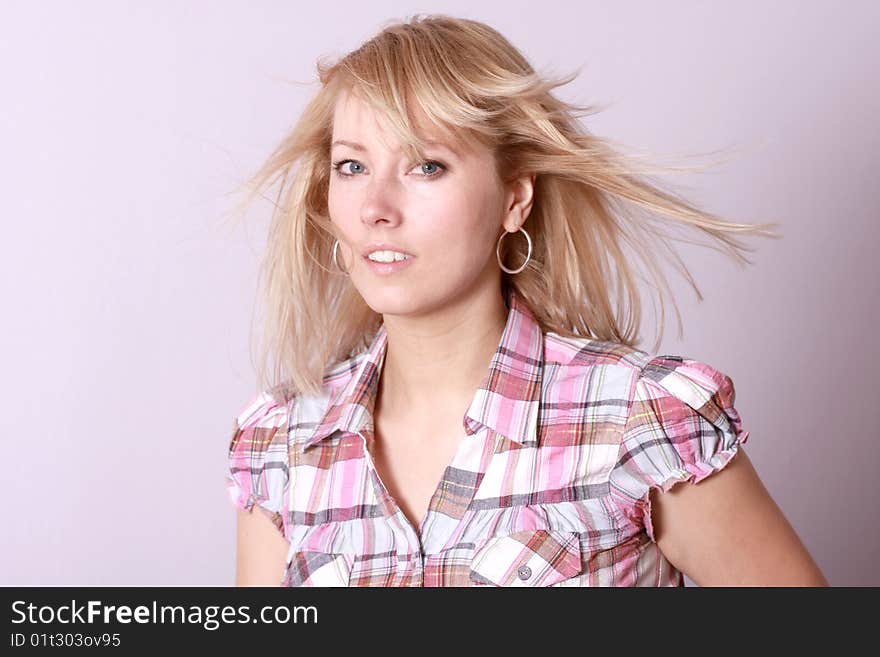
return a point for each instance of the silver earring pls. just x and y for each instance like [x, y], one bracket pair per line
[335, 261]
[498, 253]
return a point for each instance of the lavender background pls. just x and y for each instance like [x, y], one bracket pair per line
[127, 299]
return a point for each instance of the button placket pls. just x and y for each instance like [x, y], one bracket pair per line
[412, 537]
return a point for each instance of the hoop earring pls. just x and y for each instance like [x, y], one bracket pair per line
[498, 254]
[335, 261]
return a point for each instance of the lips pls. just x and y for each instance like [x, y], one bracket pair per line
[384, 246]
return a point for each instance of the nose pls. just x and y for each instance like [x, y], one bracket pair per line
[381, 203]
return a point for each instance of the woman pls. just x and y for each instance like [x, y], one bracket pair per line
[455, 402]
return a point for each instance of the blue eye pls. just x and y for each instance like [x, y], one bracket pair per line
[439, 168]
[337, 167]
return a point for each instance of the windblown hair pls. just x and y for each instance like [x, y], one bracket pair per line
[591, 201]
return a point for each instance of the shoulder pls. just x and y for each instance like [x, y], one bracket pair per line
[258, 430]
[692, 381]
[681, 426]
[651, 397]
[263, 410]
[256, 468]
[679, 387]
[682, 423]
[594, 371]
[265, 428]
[584, 352]
[686, 375]
[271, 409]
[310, 410]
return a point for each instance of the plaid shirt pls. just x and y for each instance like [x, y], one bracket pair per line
[549, 486]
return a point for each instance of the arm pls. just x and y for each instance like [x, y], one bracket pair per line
[261, 551]
[727, 531]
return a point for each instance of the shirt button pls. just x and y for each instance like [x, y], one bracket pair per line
[524, 572]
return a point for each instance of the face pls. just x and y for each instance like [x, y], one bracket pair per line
[445, 211]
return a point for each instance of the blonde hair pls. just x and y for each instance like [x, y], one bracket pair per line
[591, 200]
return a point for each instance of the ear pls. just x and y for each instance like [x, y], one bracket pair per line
[518, 202]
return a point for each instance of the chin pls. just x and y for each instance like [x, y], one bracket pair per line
[392, 299]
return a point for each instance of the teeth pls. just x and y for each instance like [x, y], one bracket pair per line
[387, 256]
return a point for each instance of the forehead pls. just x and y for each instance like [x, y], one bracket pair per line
[354, 120]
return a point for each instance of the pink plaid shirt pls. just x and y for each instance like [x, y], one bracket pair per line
[549, 486]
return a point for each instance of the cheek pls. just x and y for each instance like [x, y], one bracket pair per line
[466, 214]
[458, 239]
[334, 198]
[475, 222]
[340, 206]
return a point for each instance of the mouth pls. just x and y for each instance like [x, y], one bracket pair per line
[384, 246]
[387, 268]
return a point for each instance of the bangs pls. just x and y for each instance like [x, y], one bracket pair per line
[416, 97]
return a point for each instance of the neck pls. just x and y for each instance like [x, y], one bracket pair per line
[438, 359]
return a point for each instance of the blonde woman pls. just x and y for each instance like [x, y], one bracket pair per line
[450, 396]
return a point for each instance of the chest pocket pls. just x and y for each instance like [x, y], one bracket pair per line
[536, 557]
[334, 553]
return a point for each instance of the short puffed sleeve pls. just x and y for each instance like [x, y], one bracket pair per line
[257, 465]
[682, 426]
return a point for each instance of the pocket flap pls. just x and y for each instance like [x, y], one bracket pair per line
[319, 569]
[534, 557]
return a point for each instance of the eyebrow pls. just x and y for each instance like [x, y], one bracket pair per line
[360, 147]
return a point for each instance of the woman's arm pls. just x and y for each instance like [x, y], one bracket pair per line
[728, 531]
[261, 551]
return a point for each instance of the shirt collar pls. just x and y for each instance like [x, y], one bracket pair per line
[507, 401]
